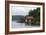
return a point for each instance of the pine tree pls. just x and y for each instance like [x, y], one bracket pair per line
[36, 14]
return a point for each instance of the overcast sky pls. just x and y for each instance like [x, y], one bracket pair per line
[17, 10]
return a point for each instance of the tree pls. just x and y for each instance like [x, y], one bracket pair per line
[36, 14]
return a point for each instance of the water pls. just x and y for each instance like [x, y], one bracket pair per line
[19, 25]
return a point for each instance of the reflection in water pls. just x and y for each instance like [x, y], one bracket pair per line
[21, 25]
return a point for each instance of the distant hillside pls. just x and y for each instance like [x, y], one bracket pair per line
[17, 17]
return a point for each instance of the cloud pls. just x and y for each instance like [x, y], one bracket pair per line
[17, 10]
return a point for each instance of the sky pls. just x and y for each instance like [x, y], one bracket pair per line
[21, 10]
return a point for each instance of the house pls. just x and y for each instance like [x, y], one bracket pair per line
[28, 19]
